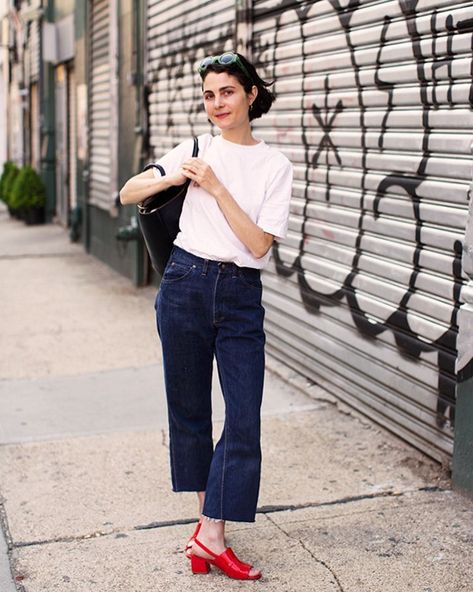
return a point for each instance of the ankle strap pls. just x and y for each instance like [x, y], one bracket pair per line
[204, 548]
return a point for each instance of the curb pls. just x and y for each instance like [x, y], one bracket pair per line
[6, 579]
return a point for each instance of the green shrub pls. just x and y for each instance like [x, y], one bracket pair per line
[10, 173]
[28, 190]
[6, 169]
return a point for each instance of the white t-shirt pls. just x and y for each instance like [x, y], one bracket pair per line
[258, 177]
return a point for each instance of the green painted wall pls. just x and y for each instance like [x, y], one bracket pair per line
[80, 68]
[101, 228]
[127, 96]
[130, 113]
[463, 453]
[120, 255]
[47, 128]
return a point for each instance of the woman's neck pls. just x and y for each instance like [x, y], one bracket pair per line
[242, 136]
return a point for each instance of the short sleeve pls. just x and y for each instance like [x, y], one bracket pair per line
[274, 214]
[173, 159]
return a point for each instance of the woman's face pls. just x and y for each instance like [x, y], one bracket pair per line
[225, 100]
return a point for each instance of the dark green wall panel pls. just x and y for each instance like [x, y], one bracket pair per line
[463, 450]
[103, 244]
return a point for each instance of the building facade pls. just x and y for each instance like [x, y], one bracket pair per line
[370, 294]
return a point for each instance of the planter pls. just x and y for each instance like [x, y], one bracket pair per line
[34, 215]
[16, 213]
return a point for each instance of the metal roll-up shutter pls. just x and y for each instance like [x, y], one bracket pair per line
[179, 34]
[374, 108]
[100, 113]
[16, 121]
[34, 51]
[34, 70]
[3, 109]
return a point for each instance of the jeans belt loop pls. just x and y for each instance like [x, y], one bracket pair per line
[205, 266]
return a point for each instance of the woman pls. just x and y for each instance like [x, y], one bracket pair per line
[209, 302]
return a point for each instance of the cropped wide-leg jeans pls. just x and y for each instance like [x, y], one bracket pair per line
[208, 309]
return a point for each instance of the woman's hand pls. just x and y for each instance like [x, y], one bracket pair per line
[252, 236]
[257, 241]
[202, 175]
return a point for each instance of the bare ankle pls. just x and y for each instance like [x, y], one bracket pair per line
[212, 532]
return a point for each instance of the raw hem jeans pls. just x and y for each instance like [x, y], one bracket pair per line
[204, 309]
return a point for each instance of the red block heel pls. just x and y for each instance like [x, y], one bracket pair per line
[199, 565]
[227, 561]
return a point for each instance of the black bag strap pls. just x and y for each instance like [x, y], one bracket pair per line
[153, 165]
[195, 149]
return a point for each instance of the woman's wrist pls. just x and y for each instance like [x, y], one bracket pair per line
[220, 193]
[138, 190]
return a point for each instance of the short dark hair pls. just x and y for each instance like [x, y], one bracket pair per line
[264, 99]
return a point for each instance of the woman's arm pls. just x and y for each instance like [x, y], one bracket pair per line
[257, 241]
[251, 235]
[141, 186]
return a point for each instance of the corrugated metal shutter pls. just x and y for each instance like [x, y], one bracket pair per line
[374, 109]
[34, 50]
[100, 186]
[178, 35]
[16, 122]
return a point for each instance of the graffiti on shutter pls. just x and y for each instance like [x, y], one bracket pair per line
[178, 36]
[374, 108]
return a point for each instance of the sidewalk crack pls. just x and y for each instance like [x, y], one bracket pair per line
[347, 500]
[65, 539]
[303, 545]
[37, 256]
[265, 510]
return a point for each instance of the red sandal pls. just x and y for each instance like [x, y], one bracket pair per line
[227, 561]
[188, 548]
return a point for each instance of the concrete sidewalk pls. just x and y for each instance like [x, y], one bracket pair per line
[85, 499]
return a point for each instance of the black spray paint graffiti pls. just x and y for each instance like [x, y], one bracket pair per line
[407, 339]
[177, 67]
[172, 74]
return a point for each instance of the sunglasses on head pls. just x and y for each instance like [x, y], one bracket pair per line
[226, 59]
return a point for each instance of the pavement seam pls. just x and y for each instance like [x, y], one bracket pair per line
[349, 499]
[302, 544]
[101, 533]
[265, 510]
[38, 256]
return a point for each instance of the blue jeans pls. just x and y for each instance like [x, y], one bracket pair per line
[204, 309]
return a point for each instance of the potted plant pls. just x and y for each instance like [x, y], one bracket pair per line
[28, 195]
[10, 173]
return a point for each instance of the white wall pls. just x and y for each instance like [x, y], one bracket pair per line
[4, 4]
[3, 80]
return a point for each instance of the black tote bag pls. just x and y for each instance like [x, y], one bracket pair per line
[158, 217]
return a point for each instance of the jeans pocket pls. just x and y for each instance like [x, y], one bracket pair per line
[176, 271]
[250, 277]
